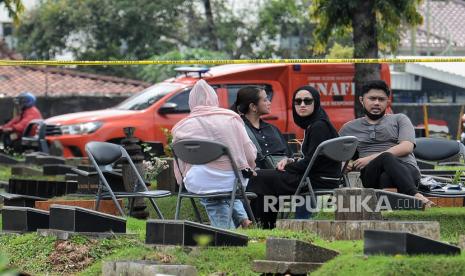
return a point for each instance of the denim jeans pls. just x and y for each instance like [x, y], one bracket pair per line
[218, 212]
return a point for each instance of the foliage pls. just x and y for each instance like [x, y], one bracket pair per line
[156, 73]
[285, 29]
[101, 30]
[154, 165]
[169, 140]
[14, 8]
[340, 51]
[375, 25]
[334, 17]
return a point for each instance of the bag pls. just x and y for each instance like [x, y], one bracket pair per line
[271, 161]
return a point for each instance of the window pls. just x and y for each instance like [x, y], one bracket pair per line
[234, 88]
[182, 102]
[147, 97]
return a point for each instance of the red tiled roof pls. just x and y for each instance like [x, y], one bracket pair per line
[59, 82]
[446, 22]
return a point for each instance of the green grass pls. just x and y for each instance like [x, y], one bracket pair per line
[30, 253]
[451, 220]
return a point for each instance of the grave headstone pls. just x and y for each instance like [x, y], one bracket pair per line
[289, 256]
[291, 250]
[6, 159]
[31, 158]
[23, 219]
[394, 242]
[47, 159]
[71, 176]
[57, 169]
[3, 185]
[19, 200]
[146, 268]
[187, 233]
[41, 188]
[24, 170]
[76, 219]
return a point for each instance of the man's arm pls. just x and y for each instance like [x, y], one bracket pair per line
[402, 149]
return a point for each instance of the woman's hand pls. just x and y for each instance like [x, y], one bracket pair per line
[281, 164]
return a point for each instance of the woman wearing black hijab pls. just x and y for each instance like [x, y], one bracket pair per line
[310, 116]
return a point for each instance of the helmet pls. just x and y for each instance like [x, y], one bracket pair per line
[25, 100]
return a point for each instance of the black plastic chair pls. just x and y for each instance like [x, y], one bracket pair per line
[340, 149]
[103, 156]
[198, 152]
[432, 151]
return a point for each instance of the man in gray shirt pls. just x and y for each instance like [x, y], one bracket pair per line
[386, 142]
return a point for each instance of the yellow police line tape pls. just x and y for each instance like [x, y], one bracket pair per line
[225, 61]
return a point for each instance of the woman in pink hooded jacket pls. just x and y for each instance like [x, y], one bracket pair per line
[209, 122]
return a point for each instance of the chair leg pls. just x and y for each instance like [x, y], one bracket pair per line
[178, 208]
[312, 194]
[97, 201]
[196, 210]
[246, 202]
[157, 210]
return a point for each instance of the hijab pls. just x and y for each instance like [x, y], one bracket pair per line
[318, 111]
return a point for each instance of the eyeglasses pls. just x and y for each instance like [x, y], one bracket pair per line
[306, 101]
[372, 129]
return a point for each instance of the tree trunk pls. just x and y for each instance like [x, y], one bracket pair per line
[210, 25]
[365, 40]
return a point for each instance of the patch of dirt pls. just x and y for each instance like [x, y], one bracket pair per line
[70, 257]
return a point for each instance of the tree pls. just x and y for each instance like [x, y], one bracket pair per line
[102, 30]
[375, 25]
[288, 22]
[14, 8]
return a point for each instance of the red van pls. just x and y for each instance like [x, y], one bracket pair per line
[165, 103]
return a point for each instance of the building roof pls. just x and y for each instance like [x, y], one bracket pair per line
[59, 82]
[446, 23]
[452, 73]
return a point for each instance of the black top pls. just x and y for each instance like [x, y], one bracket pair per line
[270, 139]
[315, 134]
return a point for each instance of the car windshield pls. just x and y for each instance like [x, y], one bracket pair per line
[147, 97]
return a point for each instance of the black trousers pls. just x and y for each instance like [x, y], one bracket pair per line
[387, 170]
[276, 183]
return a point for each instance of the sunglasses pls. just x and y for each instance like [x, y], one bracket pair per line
[306, 101]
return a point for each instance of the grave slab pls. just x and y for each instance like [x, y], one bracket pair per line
[25, 170]
[291, 250]
[8, 160]
[353, 229]
[146, 268]
[186, 233]
[23, 219]
[48, 159]
[77, 219]
[284, 268]
[393, 242]
[57, 169]
[19, 200]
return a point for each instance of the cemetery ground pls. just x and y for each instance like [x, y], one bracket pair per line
[80, 255]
